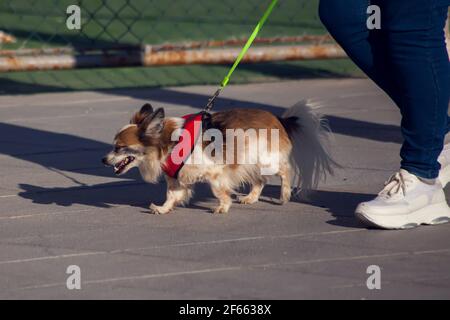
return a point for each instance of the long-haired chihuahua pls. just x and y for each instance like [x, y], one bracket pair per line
[297, 153]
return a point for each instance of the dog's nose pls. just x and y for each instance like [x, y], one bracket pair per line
[105, 161]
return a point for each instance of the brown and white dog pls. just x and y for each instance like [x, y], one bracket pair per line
[301, 153]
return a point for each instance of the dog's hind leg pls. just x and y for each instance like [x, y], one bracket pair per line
[176, 194]
[285, 175]
[255, 192]
[222, 192]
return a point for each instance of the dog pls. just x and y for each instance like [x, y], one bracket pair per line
[301, 151]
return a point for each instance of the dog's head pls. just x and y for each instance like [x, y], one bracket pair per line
[138, 142]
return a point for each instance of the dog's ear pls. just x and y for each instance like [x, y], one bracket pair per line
[146, 108]
[145, 111]
[152, 125]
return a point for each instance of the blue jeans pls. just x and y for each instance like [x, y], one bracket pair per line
[407, 58]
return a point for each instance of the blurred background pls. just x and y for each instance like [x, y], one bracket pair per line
[120, 32]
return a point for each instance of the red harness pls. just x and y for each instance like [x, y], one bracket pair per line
[191, 131]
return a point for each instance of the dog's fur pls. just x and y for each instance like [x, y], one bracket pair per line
[303, 157]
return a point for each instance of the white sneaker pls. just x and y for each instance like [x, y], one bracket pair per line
[405, 202]
[444, 160]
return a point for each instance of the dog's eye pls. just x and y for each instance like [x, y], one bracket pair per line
[118, 148]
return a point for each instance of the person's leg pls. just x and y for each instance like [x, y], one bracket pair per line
[347, 23]
[420, 67]
[406, 60]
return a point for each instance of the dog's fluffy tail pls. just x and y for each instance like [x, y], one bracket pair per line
[309, 134]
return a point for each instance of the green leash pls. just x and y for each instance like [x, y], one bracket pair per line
[241, 55]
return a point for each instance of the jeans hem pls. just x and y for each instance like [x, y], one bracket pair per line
[426, 174]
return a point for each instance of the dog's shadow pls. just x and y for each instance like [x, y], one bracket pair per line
[137, 193]
[104, 195]
[133, 193]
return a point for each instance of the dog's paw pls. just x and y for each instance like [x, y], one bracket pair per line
[285, 197]
[154, 209]
[221, 209]
[247, 199]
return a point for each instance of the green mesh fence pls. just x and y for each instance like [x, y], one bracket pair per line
[112, 23]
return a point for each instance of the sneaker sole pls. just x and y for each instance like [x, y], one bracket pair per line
[435, 214]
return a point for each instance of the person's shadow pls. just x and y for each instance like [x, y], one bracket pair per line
[341, 205]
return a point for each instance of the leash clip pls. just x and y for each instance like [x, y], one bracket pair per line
[211, 100]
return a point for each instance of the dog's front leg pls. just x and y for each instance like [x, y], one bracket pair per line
[176, 194]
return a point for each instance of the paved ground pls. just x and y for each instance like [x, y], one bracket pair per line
[59, 206]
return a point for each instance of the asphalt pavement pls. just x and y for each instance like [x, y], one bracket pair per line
[60, 207]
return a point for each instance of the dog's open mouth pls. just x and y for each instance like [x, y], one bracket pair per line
[120, 167]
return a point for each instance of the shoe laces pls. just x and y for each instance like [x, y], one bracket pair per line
[395, 185]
